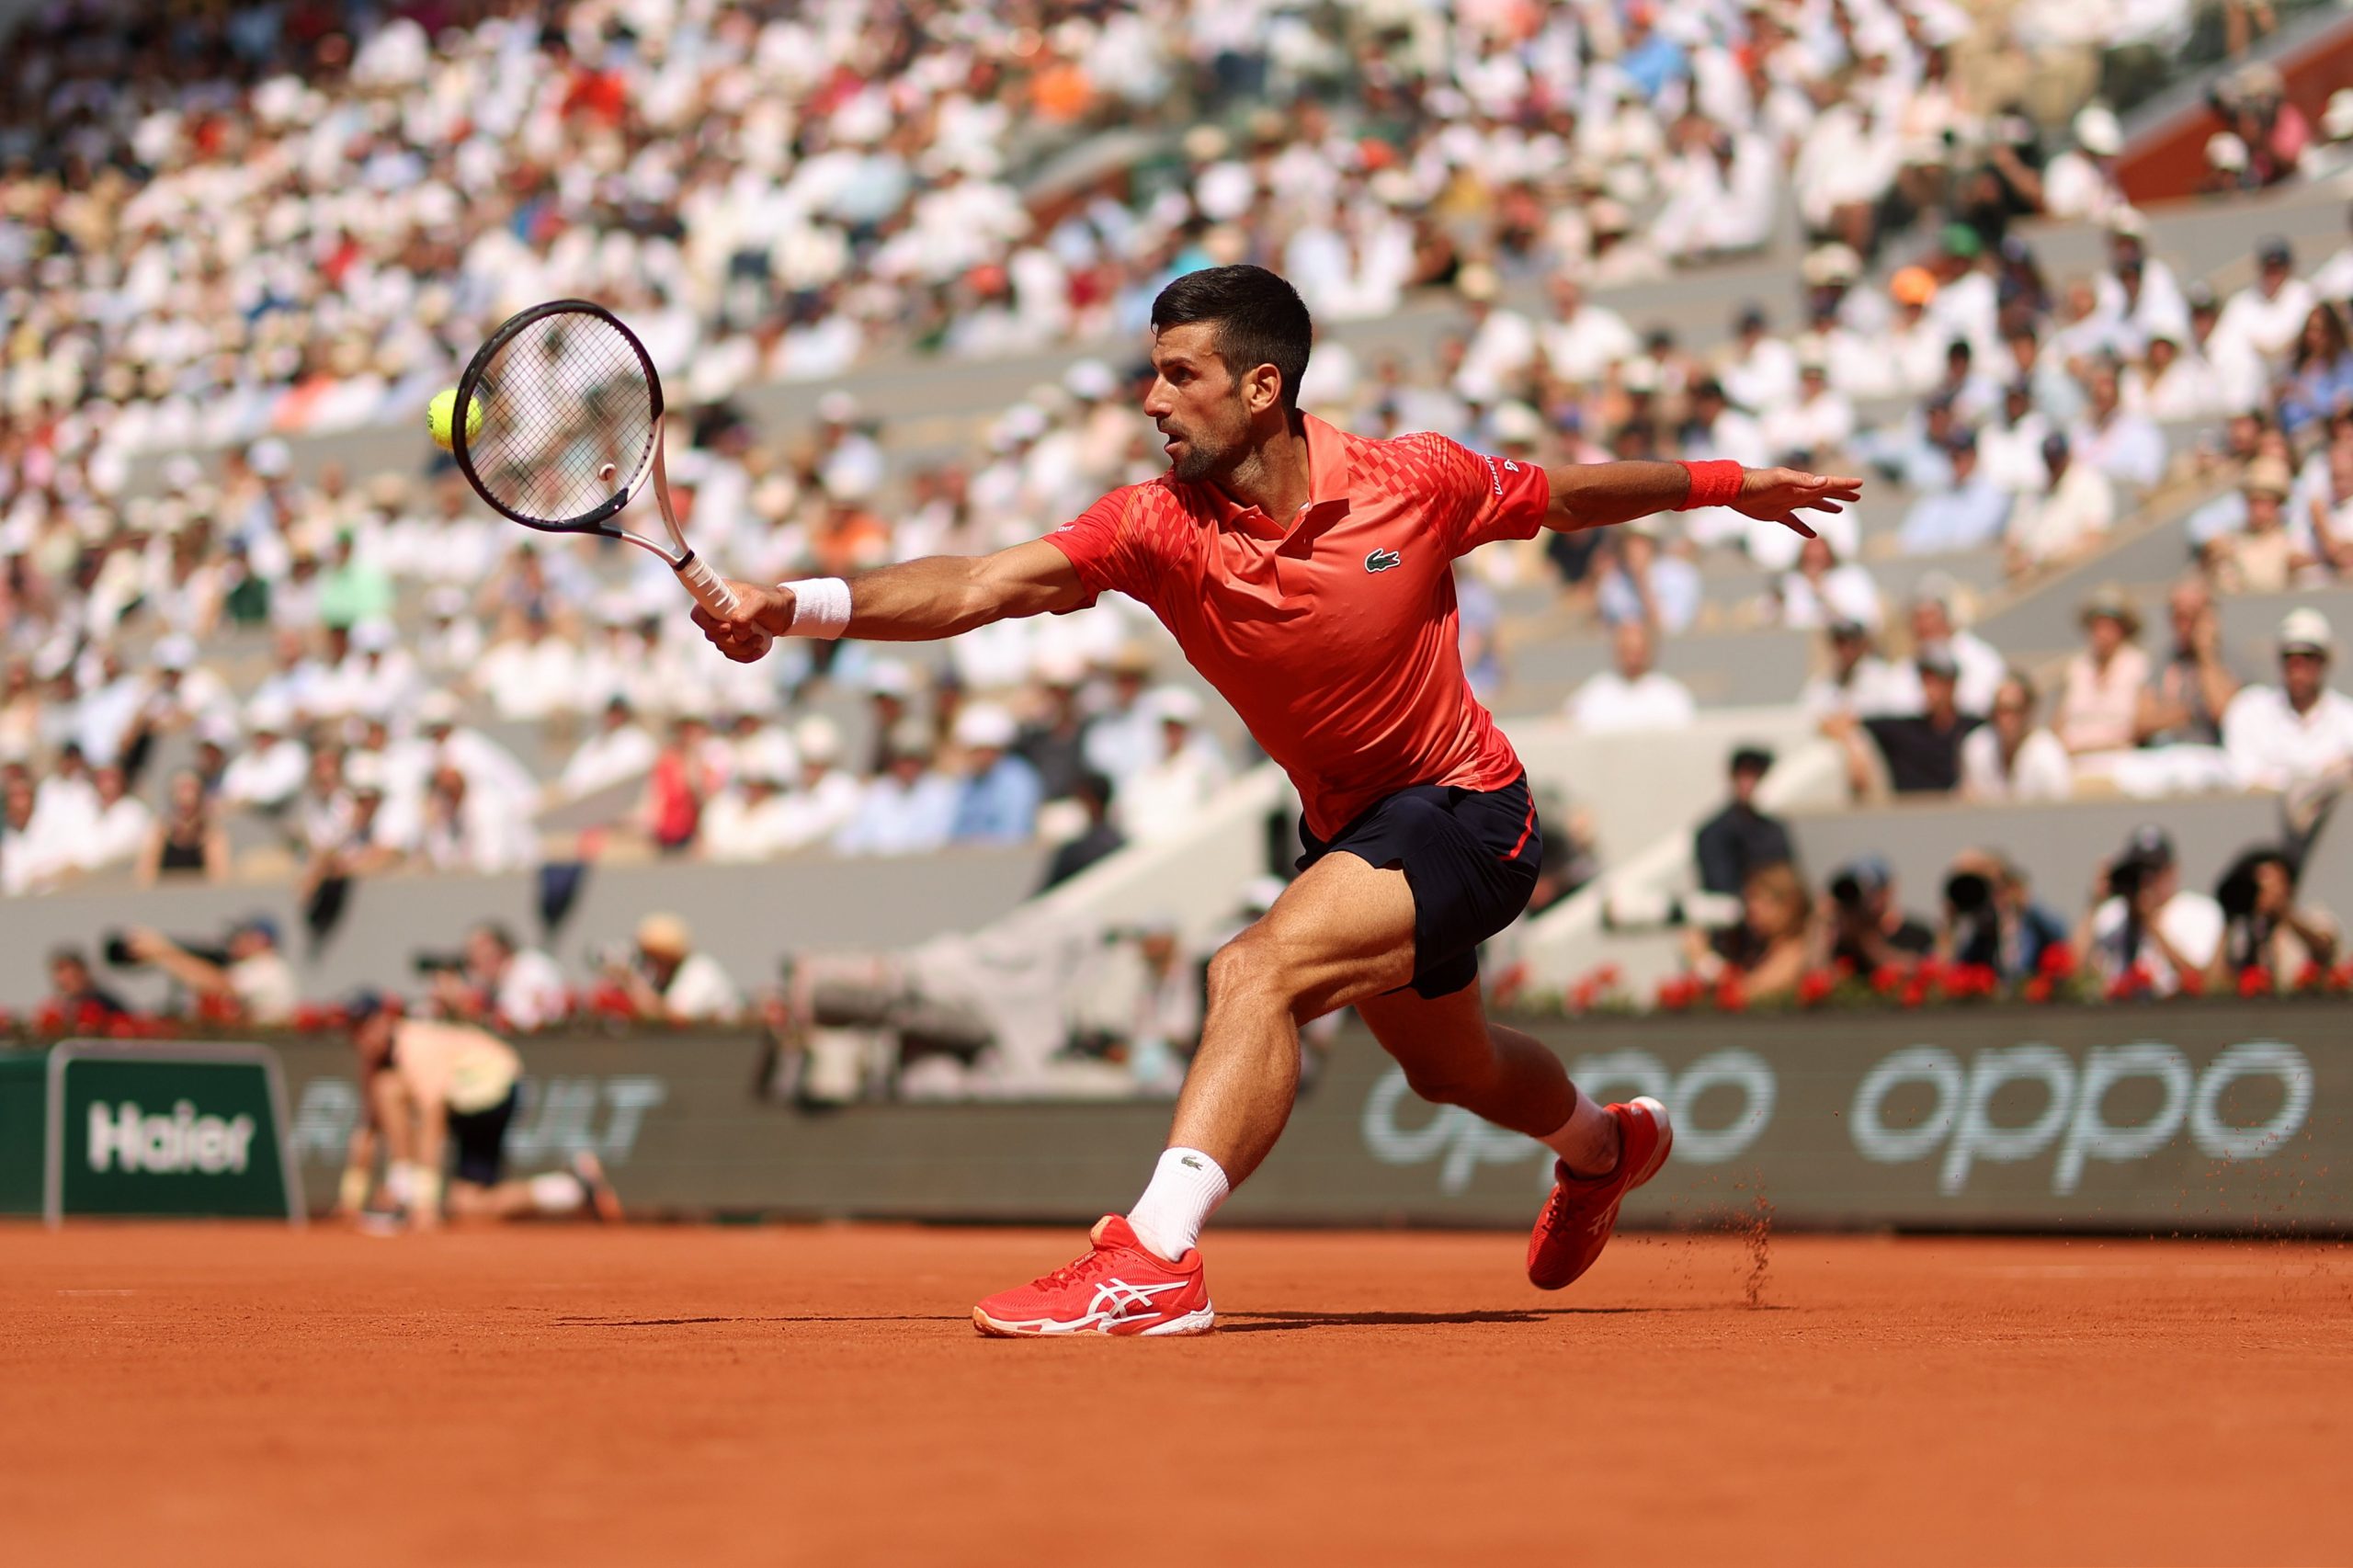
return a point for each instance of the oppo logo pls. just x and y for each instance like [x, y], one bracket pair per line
[1960, 1130]
[1461, 1142]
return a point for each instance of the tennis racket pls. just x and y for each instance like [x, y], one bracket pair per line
[558, 427]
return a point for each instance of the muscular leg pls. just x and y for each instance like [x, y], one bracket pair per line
[1344, 931]
[1453, 1055]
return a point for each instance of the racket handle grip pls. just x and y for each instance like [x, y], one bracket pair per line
[703, 583]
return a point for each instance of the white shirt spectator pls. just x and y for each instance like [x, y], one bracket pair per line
[1160, 800]
[2266, 324]
[608, 757]
[819, 809]
[1875, 688]
[528, 678]
[266, 776]
[2191, 921]
[701, 989]
[118, 834]
[1609, 703]
[2040, 771]
[2080, 507]
[531, 993]
[1843, 592]
[264, 984]
[2271, 746]
[895, 818]
[1588, 343]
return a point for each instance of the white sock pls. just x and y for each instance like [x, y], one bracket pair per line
[557, 1192]
[1576, 1140]
[1187, 1187]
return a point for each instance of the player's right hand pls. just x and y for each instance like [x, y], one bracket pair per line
[763, 614]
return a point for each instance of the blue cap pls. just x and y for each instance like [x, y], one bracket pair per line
[262, 924]
[1872, 873]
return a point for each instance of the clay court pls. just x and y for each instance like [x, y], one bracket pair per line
[218, 1393]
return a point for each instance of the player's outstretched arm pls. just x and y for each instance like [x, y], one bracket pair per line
[914, 601]
[1595, 496]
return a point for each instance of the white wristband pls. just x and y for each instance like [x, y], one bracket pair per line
[820, 608]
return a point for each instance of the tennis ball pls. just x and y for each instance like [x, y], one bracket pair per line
[441, 414]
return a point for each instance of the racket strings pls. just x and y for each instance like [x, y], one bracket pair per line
[566, 418]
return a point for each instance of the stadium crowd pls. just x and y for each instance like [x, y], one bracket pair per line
[233, 227]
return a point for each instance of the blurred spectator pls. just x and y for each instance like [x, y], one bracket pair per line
[998, 799]
[620, 750]
[681, 780]
[1055, 743]
[2143, 927]
[462, 830]
[523, 984]
[2100, 702]
[2193, 688]
[1821, 589]
[1969, 513]
[1862, 924]
[2126, 447]
[1920, 752]
[188, 841]
[269, 774]
[666, 981]
[1741, 840]
[74, 994]
[2319, 380]
[250, 976]
[1101, 838]
[1632, 696]
[908, 808]
[124, 824]
[2265, 930]
[1125, 735]
[1858, 682]
[2263, 556]
[1769, 949]
[2263, 320]
[826, 796]
[1639, 582]
[1933, 625]
[2065, 517]
[1162, 798]
[751, 819]
[2012, 758]
[2300, 731]
[1992, 921]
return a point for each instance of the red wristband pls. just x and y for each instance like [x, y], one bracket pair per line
[1713, 483]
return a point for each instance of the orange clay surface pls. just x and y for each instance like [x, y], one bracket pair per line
[207, 1394]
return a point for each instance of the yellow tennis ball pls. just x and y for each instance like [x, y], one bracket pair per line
[441, 414]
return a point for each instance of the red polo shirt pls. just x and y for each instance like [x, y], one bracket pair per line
[1335, 638]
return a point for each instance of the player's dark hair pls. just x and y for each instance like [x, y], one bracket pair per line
[1260, 320]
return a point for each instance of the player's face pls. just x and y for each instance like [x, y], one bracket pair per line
[1196, 402]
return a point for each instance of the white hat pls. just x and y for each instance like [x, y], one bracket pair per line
[1516, 424]
[176, 652]
[662, 932]
[271, 713]
[1061, 667]
[889, 678]
[2305, 627]
[2129, 222]
[1175, 705]
[1022, 422]
[818, 739]
[985, 725]
[363, 773]
[837, 407]
[1828, 265]
[1091, 380]
[436, 709]
[269, 457]
[2337, 119]
[2097, 131]
[2226, 152]
[373, 635]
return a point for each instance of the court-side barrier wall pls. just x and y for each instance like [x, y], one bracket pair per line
[2212, 1117]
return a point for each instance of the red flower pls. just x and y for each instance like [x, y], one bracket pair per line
[1815, 987]
[312, 1019]
[1608, 974]
[1731, 995]
[1915, 991]
[2192, 983]
[2341, 977]
[1886, 978]
[2058, 961]
[2037, 989]
[2309, 978]
[2255, 981]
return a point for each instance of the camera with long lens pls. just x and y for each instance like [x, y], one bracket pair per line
[1846, 892]
[115, 946]
[1969, 893]
[428, 963]
[2126, 877]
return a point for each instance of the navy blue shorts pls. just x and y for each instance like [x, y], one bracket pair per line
[1470, 858]
[478, 1138]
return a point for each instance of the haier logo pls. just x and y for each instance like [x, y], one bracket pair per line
[183, 1141]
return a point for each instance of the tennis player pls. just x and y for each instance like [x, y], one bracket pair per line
[440, 1096]
[1305, 573]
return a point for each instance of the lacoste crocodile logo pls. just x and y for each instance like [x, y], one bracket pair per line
[1383, 560]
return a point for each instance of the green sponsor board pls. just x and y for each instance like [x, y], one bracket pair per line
[165, 1130]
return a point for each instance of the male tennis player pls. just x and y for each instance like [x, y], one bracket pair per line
[441, 1095]
[1305, 573]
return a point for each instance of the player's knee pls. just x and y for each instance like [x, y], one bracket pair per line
[1252, 969]
[1450, 1083]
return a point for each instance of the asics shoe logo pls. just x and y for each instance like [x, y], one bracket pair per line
[1118, 1299]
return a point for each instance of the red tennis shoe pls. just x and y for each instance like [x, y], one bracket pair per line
[1117, 1288]
[1583, 1210]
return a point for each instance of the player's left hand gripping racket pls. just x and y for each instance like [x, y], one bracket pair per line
[558, 425]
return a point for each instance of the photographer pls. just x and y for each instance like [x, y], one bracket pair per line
[667, 981]
[1991, 921]
[2141, 915]
[1864, 926]
[250, 974]
[74, 993]
[2264, 929]
[494, 980]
